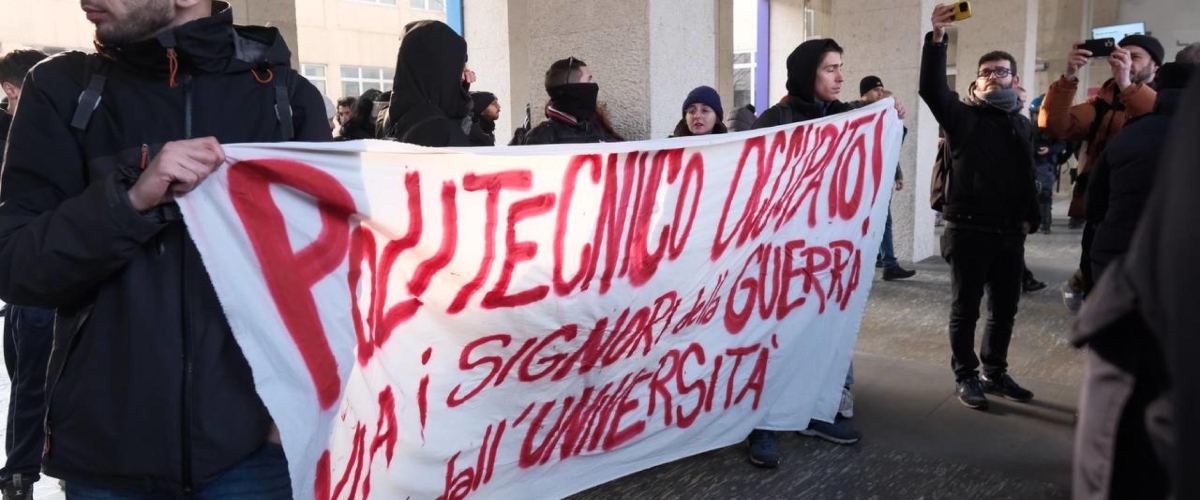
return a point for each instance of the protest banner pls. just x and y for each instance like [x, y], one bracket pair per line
[530, 322]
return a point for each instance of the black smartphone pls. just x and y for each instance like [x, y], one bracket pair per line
[1100, 47]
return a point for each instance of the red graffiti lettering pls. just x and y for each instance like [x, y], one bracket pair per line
[290, 275]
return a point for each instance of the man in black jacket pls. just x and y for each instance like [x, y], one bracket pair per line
[991, 205]
[28, 335]
[572, 116]
[147, 394]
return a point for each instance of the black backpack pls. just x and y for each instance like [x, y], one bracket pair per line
[95, 73]
[939, 184]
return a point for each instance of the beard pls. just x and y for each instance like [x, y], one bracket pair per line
[1142, 76]
[139, 22]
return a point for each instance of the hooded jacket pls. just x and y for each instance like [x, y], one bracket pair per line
[1125, 173]
[430, 105]
[146, 388]
[801, 104]
[741, 119]
[991, 181]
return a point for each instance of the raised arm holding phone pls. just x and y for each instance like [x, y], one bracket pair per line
[990, 205]
[1097, 121]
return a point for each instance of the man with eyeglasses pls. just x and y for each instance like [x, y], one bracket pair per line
[991, 204]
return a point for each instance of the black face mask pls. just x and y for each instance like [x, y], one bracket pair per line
[575, 99]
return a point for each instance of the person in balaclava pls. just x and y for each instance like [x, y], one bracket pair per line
[430, 104]
[572, 114]
[484, 113]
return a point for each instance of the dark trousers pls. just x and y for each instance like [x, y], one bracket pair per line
[1085, 258]
[28, 337]
[261, 476]
[982, 261]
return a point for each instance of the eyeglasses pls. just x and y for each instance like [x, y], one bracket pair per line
[998, 73]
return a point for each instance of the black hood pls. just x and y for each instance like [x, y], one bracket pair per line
[208, 45]
[802, 67]
[429, 71]
[1172, 78]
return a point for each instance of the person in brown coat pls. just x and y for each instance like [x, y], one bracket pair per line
[1127, 95]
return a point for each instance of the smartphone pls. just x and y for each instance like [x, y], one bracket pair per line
[1100, 47]
[962, 10]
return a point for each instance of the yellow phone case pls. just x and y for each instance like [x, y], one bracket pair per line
[962, 10]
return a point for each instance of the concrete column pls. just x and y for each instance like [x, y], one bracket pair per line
[894, 55]
[1010, 26]
[723, 64]
[486, 29]
[646, 55]
[786, 29]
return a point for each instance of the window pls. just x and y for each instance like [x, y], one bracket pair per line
[438, 5]
[315, 73]
[357, 79]
[743, 78]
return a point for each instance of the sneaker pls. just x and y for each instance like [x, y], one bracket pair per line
[1005, 386]
[1075, 223]
[1030, 284]
[840, 432]
[970, 393]
[878, 264]
[1071, 298]
[16, 489]
[897, 273]
[1045, 230]
[846, 408]
[763, 452]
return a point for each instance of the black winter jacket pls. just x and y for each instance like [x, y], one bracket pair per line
[555, 131]
[796, 110]
[1123, 178]
[992, 185]
[429, 105]
[146, 388]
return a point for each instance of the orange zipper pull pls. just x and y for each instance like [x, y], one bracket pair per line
[174, 65]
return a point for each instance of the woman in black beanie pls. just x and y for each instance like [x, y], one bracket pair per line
[702, 114]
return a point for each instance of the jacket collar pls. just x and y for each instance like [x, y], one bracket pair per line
[201, 46]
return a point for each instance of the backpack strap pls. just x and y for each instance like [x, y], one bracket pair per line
[96, 75]
[283, 102]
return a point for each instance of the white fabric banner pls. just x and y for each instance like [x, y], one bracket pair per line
[530, 322]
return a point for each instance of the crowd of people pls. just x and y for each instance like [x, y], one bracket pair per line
[95, 260]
